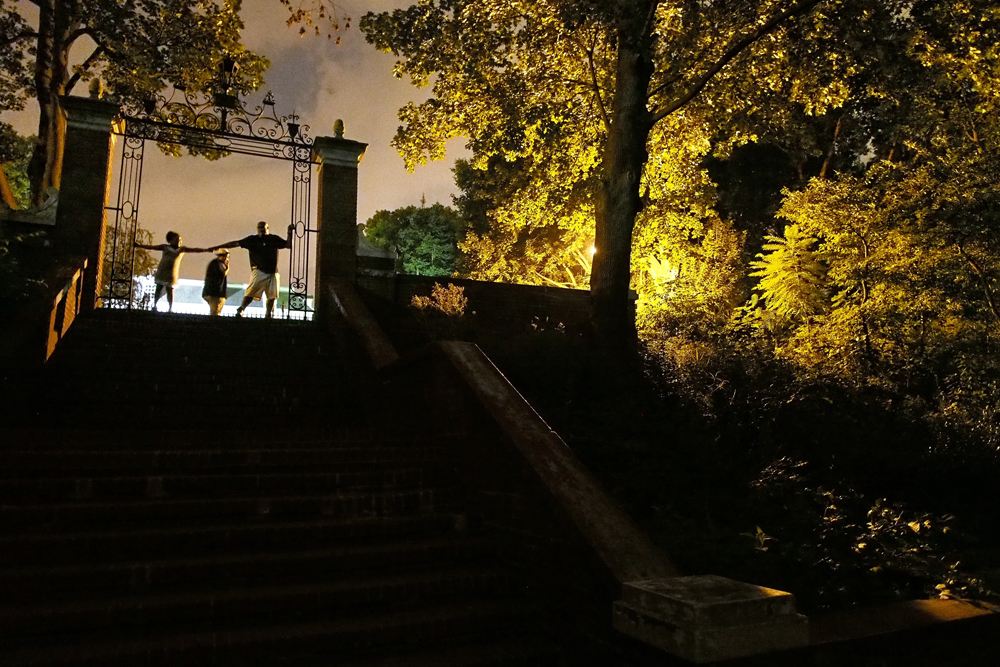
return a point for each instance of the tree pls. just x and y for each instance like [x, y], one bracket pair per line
[138, 47]
[792, 274]
[908, 236]
[583, 86]
[425, 237]
[15, 151]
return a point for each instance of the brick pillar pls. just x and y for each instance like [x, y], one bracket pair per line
[336, 247]
[86, 175]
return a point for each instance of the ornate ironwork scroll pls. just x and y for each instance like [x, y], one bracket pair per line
[210, 124]
[200, 122]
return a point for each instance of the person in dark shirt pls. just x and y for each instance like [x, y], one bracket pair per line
[214, 291]
[264, 279]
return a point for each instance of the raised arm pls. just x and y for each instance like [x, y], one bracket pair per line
[288, 241]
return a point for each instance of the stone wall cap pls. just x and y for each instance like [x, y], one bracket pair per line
[333, 143]
[707, 600]
[89, 105]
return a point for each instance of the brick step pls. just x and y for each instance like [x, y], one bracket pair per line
[195, 380]
[342, 505]
[225, 608]
[140, 402]
[121, 320]
[108, 315]
[84, 463]
[161, 350]
[222, 406]
[141, 331]
[145, 378]
[523, 651]
[311, 643]
[210, 484]
[266, 361]
[152, 339]
[176, 439]
[203, 413]
[123, 542]
[52, 583]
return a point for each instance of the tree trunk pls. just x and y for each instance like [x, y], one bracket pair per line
[55, 20]
[38, 164]
[619, 201]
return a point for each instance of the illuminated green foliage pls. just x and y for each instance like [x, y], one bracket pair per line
[792, 275]
[425, 237]
[15, 151]
[450, 301]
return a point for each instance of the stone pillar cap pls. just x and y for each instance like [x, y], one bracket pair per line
[343, 152]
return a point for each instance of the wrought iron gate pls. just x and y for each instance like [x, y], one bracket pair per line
[218, 124]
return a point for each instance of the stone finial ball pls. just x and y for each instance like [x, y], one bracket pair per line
[338, 128]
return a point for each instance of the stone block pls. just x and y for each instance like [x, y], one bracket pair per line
[709, 618]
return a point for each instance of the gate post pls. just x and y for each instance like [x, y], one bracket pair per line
[337, 212]
[86, 175]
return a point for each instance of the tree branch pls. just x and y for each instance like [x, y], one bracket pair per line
[83, 67]
[833, 149]
[647, 28]
[27, 34]
[79, 32]
[734, 50]
[597, 86]
[983, 282]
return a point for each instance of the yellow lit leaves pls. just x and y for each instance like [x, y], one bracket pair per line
[450, 301]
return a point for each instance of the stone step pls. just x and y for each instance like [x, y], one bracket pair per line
[312, 643]
[25, 464]
[54, 583]
[341, 505]
[122, 542]
[210, 484]
[63, 623]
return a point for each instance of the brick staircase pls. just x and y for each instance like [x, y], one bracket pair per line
[191, 491]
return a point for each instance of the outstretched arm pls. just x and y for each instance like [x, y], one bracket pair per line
[149, 247]
[186, 249]
[231, 244]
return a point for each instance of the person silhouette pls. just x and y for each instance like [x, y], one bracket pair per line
[169, 266]
[264, 278]
[214, 291]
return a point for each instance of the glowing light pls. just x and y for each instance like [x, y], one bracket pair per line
[592, 250]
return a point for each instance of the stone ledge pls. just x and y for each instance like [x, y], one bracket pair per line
[709, 618]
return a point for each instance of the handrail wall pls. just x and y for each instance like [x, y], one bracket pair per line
[31, 334]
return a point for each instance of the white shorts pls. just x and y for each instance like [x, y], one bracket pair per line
[263, 283]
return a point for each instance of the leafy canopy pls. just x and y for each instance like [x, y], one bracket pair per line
[425, 237]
